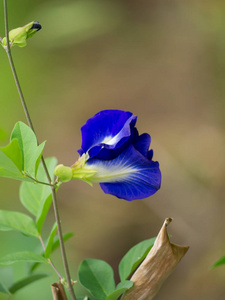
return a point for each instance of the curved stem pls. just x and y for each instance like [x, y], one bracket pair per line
[8, 51]
[54, 201]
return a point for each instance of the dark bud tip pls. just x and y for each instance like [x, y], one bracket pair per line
[36, 25]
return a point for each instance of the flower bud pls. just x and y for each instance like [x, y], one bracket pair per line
[18, 36]
[63, 173]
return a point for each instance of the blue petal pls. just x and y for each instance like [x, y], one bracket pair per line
[150, 154]
[108, 133]
[142, 143]
[129, 176]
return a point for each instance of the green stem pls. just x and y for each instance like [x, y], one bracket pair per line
[54, 200]
[8, 51]
[38, 181]
[50, 261]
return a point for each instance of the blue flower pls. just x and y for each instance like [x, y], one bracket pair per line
[116, 156]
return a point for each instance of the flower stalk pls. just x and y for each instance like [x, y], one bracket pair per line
[53, 188]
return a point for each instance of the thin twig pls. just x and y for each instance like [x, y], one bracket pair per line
[50, 261]
[8, 51]
[54, 201]
[65, 263]
[36, 180]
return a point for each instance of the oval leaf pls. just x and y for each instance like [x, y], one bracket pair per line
[120, 289]
[11, 161]
[24, 256]
[37, 198]
[43, 211]
[134, 257]
[31, 151]
[97, 277]
[66, 237]
[25, 281]
[12, 220]
[50, 241]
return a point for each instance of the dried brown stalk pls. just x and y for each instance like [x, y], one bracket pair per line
[58, 291]
[157, 266]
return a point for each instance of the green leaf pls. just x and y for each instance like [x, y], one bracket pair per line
[22, 154]
[31, 152]
[120, 289]
[3, 288]
[134, 257]
[24, 256]
[25, 281]
[3, 228]
[45, 204]
[13, 152]
[11, 161]
[43, 211]
[12, 220]
[66, 237]
[97, 277]
[220, 262]
[37, 198]
[50, 241]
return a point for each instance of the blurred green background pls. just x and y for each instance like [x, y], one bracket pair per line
[165, 62]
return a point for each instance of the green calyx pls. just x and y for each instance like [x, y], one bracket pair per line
[18, 36]
[77, 171]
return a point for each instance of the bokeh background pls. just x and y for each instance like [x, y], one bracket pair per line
[165, 62]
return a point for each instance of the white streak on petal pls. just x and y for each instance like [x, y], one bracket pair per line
[109, 140]
[108, 171]
[125, 131]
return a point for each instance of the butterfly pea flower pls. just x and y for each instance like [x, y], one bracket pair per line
[114, 155]
[19, 36]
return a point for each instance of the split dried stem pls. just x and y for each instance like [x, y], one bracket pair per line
[58, 291]
[157, 266]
